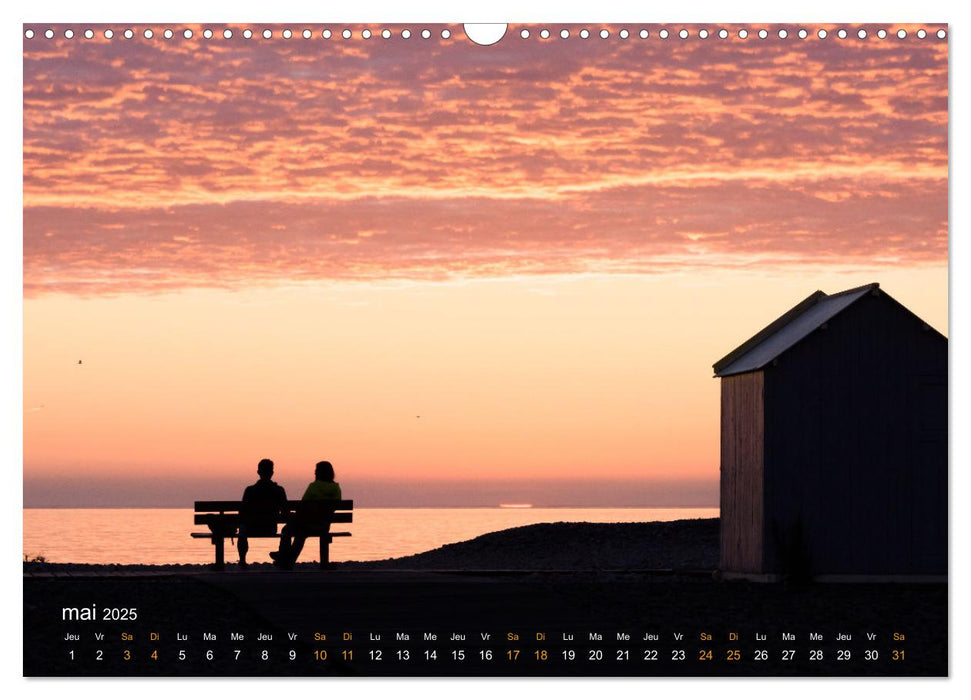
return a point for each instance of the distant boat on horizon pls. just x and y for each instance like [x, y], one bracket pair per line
[515, 505]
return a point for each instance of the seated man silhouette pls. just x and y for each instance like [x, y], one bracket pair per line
[304, 524]
[262, 504]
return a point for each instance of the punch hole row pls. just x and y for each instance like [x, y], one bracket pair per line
[542, 34]
[726, 34]
[150, 33]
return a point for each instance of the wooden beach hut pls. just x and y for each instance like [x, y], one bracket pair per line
[834, 442]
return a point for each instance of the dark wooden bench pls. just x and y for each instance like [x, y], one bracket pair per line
[222, 518]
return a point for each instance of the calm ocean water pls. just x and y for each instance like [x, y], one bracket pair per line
[161, 535]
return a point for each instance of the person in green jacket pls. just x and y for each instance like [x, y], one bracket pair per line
[295, 533]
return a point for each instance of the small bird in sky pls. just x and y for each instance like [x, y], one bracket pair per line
[79, 361]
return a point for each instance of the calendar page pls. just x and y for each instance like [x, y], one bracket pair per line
[509, 350]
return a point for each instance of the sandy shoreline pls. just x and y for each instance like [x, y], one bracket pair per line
[675, 545]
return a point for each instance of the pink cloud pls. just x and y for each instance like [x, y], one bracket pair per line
[171, 162]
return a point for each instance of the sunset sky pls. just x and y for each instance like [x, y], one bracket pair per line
[463, 274]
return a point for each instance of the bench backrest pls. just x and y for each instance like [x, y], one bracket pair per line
[206, 512]
[234, 506]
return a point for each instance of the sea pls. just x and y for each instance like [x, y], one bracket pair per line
[161, 535]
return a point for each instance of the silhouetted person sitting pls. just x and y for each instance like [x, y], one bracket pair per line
[262, 504]
[303, 525]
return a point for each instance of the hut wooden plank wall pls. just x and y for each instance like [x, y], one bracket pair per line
[834, 442]
[743, 439]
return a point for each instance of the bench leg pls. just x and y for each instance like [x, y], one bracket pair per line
[325, 551]
[220, 553]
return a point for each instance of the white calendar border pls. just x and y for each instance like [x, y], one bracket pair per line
[93, 11]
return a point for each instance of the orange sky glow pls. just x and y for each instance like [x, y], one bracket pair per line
[433, 262]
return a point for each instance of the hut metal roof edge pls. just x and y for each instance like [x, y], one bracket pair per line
[794, 326]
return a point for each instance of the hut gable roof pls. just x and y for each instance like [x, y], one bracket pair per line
[788, 329]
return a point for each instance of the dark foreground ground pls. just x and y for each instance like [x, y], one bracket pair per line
[477, 619]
